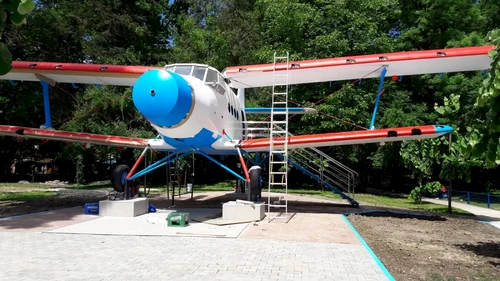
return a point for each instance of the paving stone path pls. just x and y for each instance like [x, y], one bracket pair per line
[48, 256]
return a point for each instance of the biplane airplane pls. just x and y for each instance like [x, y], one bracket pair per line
[194, 109]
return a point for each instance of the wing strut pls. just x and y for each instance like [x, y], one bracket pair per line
[46, 104]
[379, 93]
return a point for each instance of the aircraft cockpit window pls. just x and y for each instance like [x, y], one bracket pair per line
[211, 76]
[199, 72]
[183, 69]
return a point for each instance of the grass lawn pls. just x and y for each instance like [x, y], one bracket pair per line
[21, 185]
[24, 196]
[377, 200]
[404, 203]
[89, 186]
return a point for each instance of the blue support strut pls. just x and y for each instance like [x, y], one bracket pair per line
[248, 157]
[158, 164]
[46, 103]
[380, 87]
[261, 162]
[222, 165]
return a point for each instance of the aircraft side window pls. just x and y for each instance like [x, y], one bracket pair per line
[220, 89]
[199, 72]
[221, 79]
[211, 80]
[228, 107]
[232, 110]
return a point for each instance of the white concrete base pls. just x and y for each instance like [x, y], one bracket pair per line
[243, 211]
[124, 208]
[155, 224]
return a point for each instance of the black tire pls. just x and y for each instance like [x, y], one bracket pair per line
[117, 178]
[255, 186]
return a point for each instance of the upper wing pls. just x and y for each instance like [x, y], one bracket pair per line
[54, 72]
[346, 138]
[366, 66]
[15, 131]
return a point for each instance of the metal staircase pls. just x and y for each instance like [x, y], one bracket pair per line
[278, 134]
[326, 171]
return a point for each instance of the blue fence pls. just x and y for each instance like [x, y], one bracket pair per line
[487, 200]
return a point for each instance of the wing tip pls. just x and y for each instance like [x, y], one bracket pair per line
[443, 129]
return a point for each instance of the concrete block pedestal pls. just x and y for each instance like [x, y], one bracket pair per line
[124, 208]
[243, 211]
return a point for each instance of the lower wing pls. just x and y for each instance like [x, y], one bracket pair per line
[346, 138]
[25, 132]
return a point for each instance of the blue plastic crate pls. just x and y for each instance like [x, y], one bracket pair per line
[92, 208]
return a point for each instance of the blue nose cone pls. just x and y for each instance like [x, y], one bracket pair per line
[164, 98]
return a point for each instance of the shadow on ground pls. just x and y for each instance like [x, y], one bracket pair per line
[401, 215]
[487, 249]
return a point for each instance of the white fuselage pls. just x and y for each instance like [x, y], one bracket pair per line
[216, 111]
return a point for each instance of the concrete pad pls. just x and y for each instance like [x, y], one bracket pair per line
[153, 224]
[495, 224]
[44, 221]
[304, 227]
[124, 208]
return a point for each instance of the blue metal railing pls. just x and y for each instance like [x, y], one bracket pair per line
[319, 180]
[477, 198]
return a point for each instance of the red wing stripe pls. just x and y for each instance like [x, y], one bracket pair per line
[79, 73]
[82, 67]
[363, 59]
[316, 139]
[72, 136]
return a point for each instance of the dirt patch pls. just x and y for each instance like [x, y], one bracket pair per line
[432, 247]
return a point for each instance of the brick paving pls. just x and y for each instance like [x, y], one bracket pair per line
[47, 256]
[314, 245]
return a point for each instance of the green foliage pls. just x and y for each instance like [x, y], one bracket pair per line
[24, 196]
[235, 32]
[316, 29]
[80, 170]
[455, 158]
[15, 12]
[431, 24]
[185, 163]
[489, 98]
[429, 188]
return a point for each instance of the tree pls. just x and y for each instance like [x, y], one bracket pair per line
[11, 12]
[490, 99]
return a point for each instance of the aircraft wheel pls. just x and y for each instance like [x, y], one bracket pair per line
[255, 184]
[118, 178]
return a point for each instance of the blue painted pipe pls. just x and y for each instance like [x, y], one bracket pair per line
[380, 87]
[46, 103]
[156, 165]
[221, 165]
